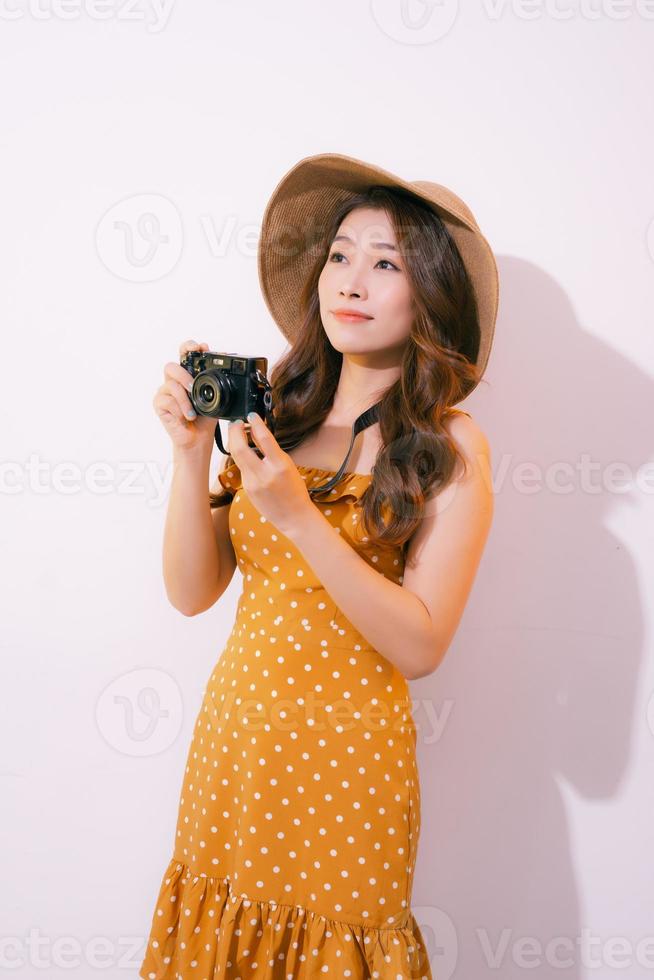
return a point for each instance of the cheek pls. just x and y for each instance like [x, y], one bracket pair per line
[323, 283]
[397, 308]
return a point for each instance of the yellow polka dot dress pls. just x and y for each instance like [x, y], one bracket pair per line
[299, 815]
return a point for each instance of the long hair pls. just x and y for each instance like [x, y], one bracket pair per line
[417, 457]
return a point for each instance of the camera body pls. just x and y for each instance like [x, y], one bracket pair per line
[228, 386]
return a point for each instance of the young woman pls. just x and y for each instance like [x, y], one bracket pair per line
[299, 817]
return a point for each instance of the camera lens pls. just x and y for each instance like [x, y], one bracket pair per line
[212, 393]
[207, 394]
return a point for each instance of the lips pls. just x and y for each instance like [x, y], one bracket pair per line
[350, 316]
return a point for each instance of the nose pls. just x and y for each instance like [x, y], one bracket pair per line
[351, 277]
[353, 286]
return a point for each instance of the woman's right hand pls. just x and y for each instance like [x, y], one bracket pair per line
[173, 405]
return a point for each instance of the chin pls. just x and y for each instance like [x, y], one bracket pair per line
[349, 345]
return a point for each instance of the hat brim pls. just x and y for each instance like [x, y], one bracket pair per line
[300, 205]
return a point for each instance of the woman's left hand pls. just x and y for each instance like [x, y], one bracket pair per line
[273, 484]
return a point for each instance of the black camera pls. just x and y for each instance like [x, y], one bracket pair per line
[228, 386]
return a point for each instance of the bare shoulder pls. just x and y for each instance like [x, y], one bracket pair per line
[466, 501]
[470, 439]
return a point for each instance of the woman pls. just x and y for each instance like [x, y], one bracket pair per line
[299, 818]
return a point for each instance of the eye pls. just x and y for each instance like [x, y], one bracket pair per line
[340, 255]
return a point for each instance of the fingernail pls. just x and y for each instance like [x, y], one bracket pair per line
[252, 416]
[190, 415]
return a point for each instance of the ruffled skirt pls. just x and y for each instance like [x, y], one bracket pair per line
[201, 930]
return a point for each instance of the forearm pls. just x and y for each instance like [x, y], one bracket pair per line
[392, 619]
[191, 561]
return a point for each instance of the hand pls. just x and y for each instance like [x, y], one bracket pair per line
[273, 484]
[173, 405]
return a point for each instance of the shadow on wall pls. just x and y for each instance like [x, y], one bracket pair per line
[535, 697]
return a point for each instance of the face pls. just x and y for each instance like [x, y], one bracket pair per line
[365, 272]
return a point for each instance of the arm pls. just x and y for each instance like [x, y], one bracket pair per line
[198, 558]
[413, 624]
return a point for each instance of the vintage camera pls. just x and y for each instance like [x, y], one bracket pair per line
[228, 386]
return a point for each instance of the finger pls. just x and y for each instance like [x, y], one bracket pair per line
[236, 439]
[264, 438]
[174, 370]
[245, 457]
[189, 345]
[178, 373]
[167, 408]
[180, 394]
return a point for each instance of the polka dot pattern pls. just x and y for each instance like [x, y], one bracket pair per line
[299, 817]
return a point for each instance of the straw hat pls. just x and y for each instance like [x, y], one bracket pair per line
[295, 221]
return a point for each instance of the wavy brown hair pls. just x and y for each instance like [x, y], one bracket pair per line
[417, 457]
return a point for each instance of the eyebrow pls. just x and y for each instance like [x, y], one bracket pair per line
[386, 245]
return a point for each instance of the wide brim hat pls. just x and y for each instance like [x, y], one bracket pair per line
[297, 214]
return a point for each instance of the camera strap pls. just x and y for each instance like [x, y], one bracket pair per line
[369, 417]
[364, 420]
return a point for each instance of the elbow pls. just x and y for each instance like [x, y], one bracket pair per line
[187, 607]
[427, 664]
[184, 608]
[188, 612]
[195, 610]
[422, 671]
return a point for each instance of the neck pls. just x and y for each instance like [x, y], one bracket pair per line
[360, 386]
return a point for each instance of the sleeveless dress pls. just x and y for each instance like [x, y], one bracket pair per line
[299, 815]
